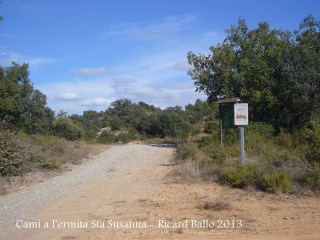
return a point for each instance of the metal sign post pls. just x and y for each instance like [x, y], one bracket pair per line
[241, 118]
[243, 157]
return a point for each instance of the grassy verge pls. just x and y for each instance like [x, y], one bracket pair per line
[275, 163]
[22, 153]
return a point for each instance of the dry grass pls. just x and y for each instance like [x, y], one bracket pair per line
[54, 155]
[215, 206]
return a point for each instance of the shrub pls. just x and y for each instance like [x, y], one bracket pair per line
[65, 128]
[285, 140]
[208, 141]
[47, 162]
[230, 136]
[195, 130]
[132, 134]
[186, 151]
[215, 153]
[122, 137]
[211, 127]
[277, 181]
[242, 176]
[107, 138]
[312, 140]
[260, 128]
[90, 136]
[17, 156]
[12, 153]
[313, 178]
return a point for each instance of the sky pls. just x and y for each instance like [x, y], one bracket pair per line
[86, 54]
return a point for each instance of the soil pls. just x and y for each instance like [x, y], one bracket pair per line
[140, 189]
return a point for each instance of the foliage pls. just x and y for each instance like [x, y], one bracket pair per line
[242, 176]
[186, 150]
[65, 128]
[211, 127]
[260, 128]
[208, 141]
[90, 121]
[215, 153]
[107, 138]
[18, 157]
[313, 178]
[20, 104]
[277, 181]
[312, 139]
[277, 74]
[147, 120]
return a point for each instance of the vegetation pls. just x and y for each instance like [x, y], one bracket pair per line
[21, 153]
[275, 71]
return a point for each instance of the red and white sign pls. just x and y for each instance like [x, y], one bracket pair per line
[241, 114]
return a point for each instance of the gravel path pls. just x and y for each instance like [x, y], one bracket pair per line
[30, 201]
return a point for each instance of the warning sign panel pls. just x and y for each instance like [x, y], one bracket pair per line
[241, 114]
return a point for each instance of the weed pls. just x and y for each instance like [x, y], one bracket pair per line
[215, 153]
[242, 176]
[186, 151]
[313, 178]
[277, 181]
[217, 206]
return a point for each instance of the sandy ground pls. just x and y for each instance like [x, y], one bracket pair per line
[137, 198]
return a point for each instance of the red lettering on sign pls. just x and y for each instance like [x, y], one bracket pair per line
[241, 116]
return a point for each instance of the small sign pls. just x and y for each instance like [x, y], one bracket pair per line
[241, 114]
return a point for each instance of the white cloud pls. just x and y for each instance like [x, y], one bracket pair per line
[157, 76]
[159, 29]
[96, 102]
[92, 71]
[67, 96]
[38, 61]
[8, 57]
[123, 80]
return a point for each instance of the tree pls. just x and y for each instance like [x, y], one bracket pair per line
[258, 65]
[21, 105]
[299, 89]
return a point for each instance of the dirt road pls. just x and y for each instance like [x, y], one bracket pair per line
[126, 193]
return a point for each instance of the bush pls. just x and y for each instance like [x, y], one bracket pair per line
[186, 151]
[107, 138]
[313, 178]
[215, 153]
[277, 181]
[122, 137]
[132, 134]
[312, 140]
[242, 176]
[17, 156]
[90, 136]
[211, 127]
[65, 128]
[12, 153]
[285, 140]
[230, 136]
[208, 141]
[262, 129]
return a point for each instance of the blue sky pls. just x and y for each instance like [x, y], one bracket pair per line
[85, 54]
